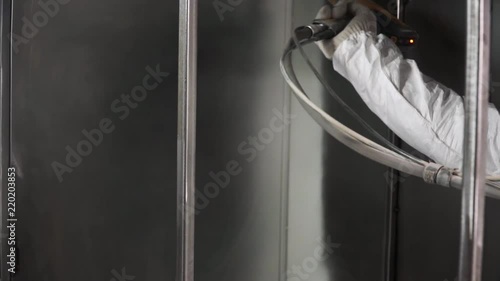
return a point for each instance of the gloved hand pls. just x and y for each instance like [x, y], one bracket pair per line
[364, 21]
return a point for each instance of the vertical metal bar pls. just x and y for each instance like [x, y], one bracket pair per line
[400, 10]
[186, 138]
[285, 160]
[476, 125]
[390, 262]
[391, 232]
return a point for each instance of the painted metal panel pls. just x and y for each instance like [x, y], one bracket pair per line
[113, 215]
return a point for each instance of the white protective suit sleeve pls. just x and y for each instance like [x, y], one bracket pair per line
[425, 114]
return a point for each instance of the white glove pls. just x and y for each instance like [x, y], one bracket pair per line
[364, 21]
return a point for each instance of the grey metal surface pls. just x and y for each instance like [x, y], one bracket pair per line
[4, 126]
[306, 222]
[238, 232]
[186, 138]
[475, 139]
[117, 209]
[327, 199]
[115, 212]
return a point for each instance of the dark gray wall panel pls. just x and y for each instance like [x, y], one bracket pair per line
[117, 208]
[238, 232]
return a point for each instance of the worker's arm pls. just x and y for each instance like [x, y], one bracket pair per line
[424, 113]
[421, 111]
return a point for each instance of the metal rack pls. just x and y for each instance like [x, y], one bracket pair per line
[476, 104]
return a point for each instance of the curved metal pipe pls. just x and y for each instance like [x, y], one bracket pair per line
[365, 146]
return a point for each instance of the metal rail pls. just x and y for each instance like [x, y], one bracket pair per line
[186, 138]
[392, 206]
[391, 218]
[474, 169]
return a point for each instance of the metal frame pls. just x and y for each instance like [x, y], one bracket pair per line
[476, 126]
[476, 106]
[186, 138]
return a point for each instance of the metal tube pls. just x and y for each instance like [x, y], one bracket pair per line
[392, 206]
[400, 10]
[285, 160]
[474, 169]
[391, 218]
[186, 138]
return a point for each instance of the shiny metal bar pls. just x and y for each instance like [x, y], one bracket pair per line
[391, 218]
[392, 206]
[186, 138]
[285, 160]
[400, 10]
[476, 125]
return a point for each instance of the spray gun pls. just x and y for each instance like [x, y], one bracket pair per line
[387, 24]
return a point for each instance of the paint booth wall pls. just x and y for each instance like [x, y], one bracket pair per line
[110, 213]
[263, 208]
